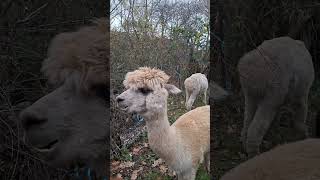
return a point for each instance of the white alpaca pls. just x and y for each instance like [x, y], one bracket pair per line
[184, 144]
[194, 85]
[279, 70]
[294, 161]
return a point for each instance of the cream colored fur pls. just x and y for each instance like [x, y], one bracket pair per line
[280, 70]
[295, 161]
[79, 57]
[69, 125]
[184, 144]
[194, 85]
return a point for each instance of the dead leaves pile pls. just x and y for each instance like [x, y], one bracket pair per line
[122, 169]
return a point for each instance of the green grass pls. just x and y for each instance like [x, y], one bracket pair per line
[202, 174]
[155, 175]
[125, 155]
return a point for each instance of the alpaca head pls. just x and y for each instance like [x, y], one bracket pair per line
[147, 92]
[218, 93]
[69, 125]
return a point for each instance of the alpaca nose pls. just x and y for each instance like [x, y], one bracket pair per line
[119, 99]
[29, 119]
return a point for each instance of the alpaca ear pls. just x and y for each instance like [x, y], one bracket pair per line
[172, 89]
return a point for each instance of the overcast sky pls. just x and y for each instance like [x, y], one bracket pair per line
[115, 4]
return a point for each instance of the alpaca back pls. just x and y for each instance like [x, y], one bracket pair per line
[193, 132]
[278, 63]
[295, 161]
[196, 81]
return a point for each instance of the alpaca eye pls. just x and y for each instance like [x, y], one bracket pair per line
[101, 91]
[144, 91]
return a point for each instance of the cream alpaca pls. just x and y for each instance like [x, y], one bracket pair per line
[184, 144]
[69, 124]
[294, 161]
[194, 85]
[279, 70]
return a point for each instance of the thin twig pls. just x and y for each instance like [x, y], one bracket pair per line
[32, 14]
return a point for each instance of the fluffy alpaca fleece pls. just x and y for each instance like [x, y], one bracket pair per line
[278, 71]
[69, 125]
[145, 77]
[294, 161]
[81, 56]
[195, 84]
[184, 144]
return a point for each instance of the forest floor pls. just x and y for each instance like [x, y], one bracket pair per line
[138, 162]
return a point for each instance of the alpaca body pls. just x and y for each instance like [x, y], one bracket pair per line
[194, 85]
[294, 161]
[278, 71]
[184, 144]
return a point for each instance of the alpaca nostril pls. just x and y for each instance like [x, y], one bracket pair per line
[29, 119]
[119, 99]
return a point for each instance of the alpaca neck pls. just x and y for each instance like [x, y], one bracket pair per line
[161, 136]
[159, 125]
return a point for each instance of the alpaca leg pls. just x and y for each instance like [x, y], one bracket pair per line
[205, 97]
[187, 97]
[188, 175]
[207, 162]
[191, 100]
[301, 110]
[262, 120]
[250, 109]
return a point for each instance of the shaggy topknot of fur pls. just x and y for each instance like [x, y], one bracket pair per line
[80, 57]
[145, 77]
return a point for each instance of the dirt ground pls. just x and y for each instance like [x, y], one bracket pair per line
[139, 162]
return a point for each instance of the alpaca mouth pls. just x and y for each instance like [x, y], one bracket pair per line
[124, 108]
[49, 147]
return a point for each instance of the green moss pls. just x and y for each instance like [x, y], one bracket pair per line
[155, 175]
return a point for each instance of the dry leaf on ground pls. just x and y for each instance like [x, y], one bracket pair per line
[126, 164]
[136, 150]
[157, 162]
[115, 165]
[134, 174]
[171, 173]
[163, 169]
[118, 177]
